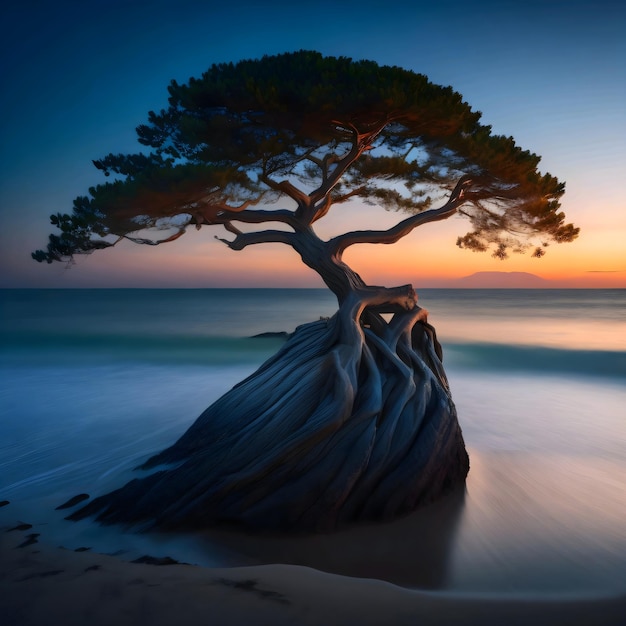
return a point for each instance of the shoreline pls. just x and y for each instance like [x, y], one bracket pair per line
[42, 585]
[483, 556]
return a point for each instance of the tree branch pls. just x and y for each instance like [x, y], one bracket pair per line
[323, 208]
[152, 242]
[346, 196]
[287, 188]
[253, 217]
[315, 205]
[360, 143]
[242, 240]
[338, 244]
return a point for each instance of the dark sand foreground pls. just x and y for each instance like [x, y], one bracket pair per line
[43, 585]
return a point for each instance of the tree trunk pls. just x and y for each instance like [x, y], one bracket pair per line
[351, 420]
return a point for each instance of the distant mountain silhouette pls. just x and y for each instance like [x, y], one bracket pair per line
[502, 280]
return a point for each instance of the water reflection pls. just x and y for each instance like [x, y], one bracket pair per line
[526, 524]
[413, 551]
[534, 523]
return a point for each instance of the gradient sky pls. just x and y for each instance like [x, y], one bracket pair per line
[78, 77]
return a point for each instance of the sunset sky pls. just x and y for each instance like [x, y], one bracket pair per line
[78, 77]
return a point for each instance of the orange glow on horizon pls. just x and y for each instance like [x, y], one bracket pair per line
[427, 257]
[596, 259]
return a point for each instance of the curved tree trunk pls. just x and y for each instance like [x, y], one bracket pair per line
[352, 419]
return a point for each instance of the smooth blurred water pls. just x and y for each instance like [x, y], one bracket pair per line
[94, 381]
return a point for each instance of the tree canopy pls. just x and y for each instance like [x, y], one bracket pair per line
[303, 133]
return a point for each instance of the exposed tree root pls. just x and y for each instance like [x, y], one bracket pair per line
[348, 421]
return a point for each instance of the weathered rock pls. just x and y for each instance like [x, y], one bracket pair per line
[30, 540]
[153, 560]
[271, 335]
[81, 497]
[346, 422]
[21, 526]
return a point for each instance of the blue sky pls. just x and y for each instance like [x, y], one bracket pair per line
[78, 77]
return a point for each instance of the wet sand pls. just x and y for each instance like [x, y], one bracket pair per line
[529, 541]
[42, 584]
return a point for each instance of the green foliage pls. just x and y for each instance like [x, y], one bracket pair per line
[343, 130]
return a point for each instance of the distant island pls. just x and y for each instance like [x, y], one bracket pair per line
[502, 280]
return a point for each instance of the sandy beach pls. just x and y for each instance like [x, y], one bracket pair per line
[42, 584]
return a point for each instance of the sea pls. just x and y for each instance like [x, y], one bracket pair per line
[92, 382]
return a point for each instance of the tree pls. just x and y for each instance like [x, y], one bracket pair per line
[353, 417]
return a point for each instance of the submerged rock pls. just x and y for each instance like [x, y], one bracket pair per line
[153, 560]
[272, 335]
[30, 540]
[73, 501]
[21, 526]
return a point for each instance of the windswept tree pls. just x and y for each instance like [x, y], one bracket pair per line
[353, 417]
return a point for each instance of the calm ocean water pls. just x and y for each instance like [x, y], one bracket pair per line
[93, 381]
